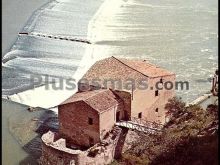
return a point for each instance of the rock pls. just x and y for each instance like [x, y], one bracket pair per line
[35, 119]
[31, 109]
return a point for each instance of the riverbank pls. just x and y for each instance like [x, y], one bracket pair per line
[22, 131]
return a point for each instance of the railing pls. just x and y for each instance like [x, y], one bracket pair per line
[141, 125]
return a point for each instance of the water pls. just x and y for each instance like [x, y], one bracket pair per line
[12, 151]
[15, 14]
[180, 36]
[19, 133]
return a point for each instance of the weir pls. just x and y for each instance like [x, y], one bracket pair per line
[39, 97]
[68, 38]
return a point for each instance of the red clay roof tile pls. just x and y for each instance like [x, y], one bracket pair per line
[100, 100]
[119, 68]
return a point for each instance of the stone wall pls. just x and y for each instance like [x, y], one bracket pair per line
[144, 101]
[107, 120]
[74, 125]
[124, 95]
[151, 106]
[55, 152]
[126, 98]
[107, 149]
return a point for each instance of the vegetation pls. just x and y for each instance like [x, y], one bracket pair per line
[175, 107]
[190, 137]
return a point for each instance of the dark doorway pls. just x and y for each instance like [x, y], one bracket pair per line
[126, 115]
[140, 115]
[117, 116]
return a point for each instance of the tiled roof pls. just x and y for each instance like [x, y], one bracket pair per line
[146, 68]
[123, 69]
[100, 100]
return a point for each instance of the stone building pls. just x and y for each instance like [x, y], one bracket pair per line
[112, 90]
[143, 87]
[86, 117]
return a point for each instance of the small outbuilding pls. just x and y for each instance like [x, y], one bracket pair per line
[86, 117]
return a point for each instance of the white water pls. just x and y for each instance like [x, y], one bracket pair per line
[180, 36]
[42, 96]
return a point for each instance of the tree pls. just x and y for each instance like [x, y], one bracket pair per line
[190, 138]
[175, 107]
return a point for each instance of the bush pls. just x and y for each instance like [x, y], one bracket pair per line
[186, 139]
[175, 107]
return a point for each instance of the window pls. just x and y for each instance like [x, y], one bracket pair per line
[140, 115]
[156, 110]
[156, 93]
[90, 121]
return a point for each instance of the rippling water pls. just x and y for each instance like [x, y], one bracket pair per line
[180, 36]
